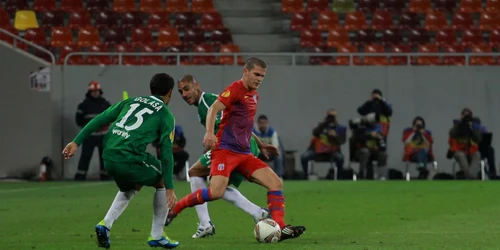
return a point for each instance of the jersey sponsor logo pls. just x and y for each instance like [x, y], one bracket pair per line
[121, 133]
[220, 167]
[226, 93]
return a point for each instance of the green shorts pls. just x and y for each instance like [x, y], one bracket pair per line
[235, 179]
[128, 175]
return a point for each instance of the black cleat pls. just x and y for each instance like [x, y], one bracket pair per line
[291, 232]
[170, 217]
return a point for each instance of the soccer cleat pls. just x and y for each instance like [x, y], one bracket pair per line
[163, 242]
[102, 233]
[204, 231]
[264, 214]
[170, 217]
[290, 232]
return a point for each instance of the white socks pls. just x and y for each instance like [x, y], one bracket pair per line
[234, 196]
[160, 211]
[118, 206]
[201, 210]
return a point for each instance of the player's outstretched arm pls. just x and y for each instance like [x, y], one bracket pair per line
[210, 139]
[106, 117]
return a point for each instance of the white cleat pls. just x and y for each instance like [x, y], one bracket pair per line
[204, 231]
[264, 214]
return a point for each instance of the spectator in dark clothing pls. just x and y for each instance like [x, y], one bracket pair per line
[180, 155]
[93, 105]
[418, 146]
[486, 150]
[383, 110]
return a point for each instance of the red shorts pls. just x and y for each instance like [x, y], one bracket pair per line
[224, 162]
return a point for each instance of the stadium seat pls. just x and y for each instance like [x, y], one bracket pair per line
[300, 21]
[446, 37]
[363, 37]
[453, 60]
[52, 18]
[72, 5]
[98, 59]
[343, 6]
[382, 20]
[4, 19]
[292, 6]
[177, 6]
[462, 21]
[202, 6]
[25, 19]
[211, 21]
[193, 36]
[481, 60]
[495, 39]
[114, 36]
[409, 20]
[105, 19]
[355, 21]
[420, 6]
[395, 6]
[344, 60]
[320, 60]
[14, 5]
[399, 60]
[172, 60]
[150, 59]
[151, 6]
[126, 59]
[338, 38]
[97, 5]
[185, 20]
[471, 37]
[375, 60]
[44, 5]
[124, 6]
[221, 36]
[61, 36]
[141, 37]
[316, 6]
[445, 5]
[79, 19]
[368, 5]
[428, 60]
[37, 36]
[229, 60]
[489, 21]
[436, 20]
[158, 20]
[493, 6]
[311, 38]
[6, 38]
[392, 37]
[73, 60]
[204, 60]
[168, 36]
[328, 20]
[88, 36]
[471, 6]
[132, 20]
[418, 36]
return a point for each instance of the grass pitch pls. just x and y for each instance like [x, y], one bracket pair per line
[338, 215]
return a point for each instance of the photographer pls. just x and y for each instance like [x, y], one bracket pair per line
[327, 139]
[376, 104]
[464, 140]
[418, 146]
[486, 150]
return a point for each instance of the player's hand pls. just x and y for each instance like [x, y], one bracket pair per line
[268, 149]
[70, 150]
[209, 140]
[171, 198]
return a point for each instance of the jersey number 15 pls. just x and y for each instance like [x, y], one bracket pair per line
[139, 115]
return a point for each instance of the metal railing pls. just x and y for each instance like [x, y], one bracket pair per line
[38, 47]
[293, 56]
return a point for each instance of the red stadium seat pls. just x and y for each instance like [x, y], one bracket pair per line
[301, 21]
[126, 59]
[204, 60]
[471, 6]
[382, 20]
[15, 5]
[495, 38]
[481, 60]
[375, 60]
[158, 20]
[193, 36]
[344, 60]
[409, 20]
[150, 59]
[445, 5]
[489, 21]
[202, 6]
[98, 59]
[141, 37]
[363, 37]
[211, 21]
[151, 6]
[88, 36]
[221, 36]
[493, 6]
[50, 19]
[172, 60]
[311, 38]
[4, 19]
[338, 38]
[399, 60]
[185, 20]
[420, 6]
[132, 20]
[37, 36]
[463, 21]
[418, 36]
[321, 60]
[395, 6]
[292, 6]
[355, 21]
[106, 19]
[316, 5]
[168, 36]
[61, 36]
[392, 37]
[471, 37]
[72, 60]
[6, 38]
[79, 19]
[453, 60]
[229, 60]
[97, 5]
[435, 21]
[72, 5]
[368, 5]
[114, 36]
[177, 6]
[428, 60]
[124, 6]
[328, 20]
[446, 37]
[44, 5]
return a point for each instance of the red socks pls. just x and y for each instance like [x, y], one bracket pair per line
[198, 197]
[276, 205]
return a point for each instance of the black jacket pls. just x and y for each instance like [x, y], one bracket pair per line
[90, 108]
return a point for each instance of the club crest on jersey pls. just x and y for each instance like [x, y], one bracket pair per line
[226, 93]
[220, 167]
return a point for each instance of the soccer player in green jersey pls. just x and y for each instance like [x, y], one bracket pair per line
[137, 122]
[190, 91]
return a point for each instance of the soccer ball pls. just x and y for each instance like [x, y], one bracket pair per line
[267, 231]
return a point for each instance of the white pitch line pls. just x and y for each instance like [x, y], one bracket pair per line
[52, 188]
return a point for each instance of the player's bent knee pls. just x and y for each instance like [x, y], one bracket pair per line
[218, 186]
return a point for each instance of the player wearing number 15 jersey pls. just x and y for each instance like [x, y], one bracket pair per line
[137, 122]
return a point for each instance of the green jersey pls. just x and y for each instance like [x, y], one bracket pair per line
[135, 123]
[206, 100]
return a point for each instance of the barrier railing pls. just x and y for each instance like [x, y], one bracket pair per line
[293, 56]
[38, 47]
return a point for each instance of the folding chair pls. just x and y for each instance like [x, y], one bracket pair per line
[323, 159]
[408, 163]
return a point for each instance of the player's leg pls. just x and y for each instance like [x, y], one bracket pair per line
[235, 197]
[197, 174]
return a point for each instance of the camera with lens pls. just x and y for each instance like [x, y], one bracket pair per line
[465, 125]
[419, 127]
[360, 128]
